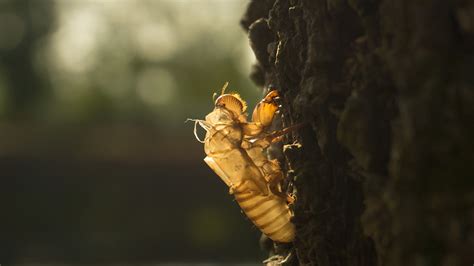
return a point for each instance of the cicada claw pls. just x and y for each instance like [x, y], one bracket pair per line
[277, 260]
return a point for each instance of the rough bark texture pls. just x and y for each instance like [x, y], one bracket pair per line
[384, 166]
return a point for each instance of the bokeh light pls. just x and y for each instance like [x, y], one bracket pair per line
[94, 151]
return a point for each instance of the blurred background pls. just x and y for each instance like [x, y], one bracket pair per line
[96, 162]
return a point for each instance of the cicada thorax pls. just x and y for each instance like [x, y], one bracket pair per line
[225, 155]
[222, 139]
[224, 133]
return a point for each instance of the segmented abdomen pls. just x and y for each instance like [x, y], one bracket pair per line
[269, 213]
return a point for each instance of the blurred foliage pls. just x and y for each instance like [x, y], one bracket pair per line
[97, 160]
[120, 59]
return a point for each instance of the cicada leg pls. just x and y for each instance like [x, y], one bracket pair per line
[264, 140]
[258, 141]
[273, 176]
[262, 116]
[266, 109]
[278, 259]
[274, 185]
[277, 136]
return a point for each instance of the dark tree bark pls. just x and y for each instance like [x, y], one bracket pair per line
[383, 167]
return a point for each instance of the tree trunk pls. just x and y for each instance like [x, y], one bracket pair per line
[383, 167]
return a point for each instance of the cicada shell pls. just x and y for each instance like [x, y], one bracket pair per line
[236, 152]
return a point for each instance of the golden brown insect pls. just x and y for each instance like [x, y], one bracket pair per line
[235, 150]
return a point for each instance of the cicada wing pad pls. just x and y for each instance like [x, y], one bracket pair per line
[248, 185]
[217, 169]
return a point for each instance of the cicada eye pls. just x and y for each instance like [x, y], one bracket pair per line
[232, 103]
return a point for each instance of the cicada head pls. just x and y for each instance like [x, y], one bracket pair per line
[232, 103]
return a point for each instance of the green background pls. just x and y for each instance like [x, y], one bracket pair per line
[96, 162]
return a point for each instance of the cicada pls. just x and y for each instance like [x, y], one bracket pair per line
[236, 152]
